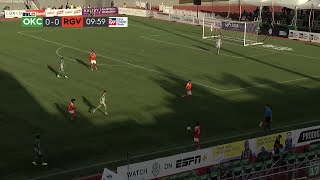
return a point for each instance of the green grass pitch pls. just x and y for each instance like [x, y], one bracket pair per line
[144, 68]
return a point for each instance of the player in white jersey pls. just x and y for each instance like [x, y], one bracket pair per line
[218, 44]
[61, 69]
[102, 103]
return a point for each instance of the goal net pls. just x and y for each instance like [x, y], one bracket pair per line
[245, 33]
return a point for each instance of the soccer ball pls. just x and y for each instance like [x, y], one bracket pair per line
[188, 128]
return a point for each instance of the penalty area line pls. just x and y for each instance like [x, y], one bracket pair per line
[209, 140]
[117, 60]
[102, 64]
[268, 84]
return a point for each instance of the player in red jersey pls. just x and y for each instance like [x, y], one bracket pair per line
[196, 135]
[72, 109]
[93, 60]
[189, 89]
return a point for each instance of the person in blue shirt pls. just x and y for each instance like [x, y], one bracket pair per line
[267, 117]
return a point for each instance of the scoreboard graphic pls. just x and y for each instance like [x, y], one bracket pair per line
[30, 20]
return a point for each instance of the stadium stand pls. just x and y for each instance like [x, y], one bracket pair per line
[101, 3]
[12, 4]
[284, 165]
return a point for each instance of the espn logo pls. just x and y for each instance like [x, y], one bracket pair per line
[29, 14]
[188, 161]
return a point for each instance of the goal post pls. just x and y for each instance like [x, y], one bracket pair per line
[246, 33]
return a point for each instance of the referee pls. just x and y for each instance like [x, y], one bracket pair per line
[267, 117]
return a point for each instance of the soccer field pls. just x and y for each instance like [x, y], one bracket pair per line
[144, 69]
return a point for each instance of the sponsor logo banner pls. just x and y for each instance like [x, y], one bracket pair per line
[37, 12]
[218, 154]
[63, 12]
[167, 166]
[135, 12]
[233, 26]
[68, 22]
[118, 21]
[99, 11]
[245, 149]
[14, 13]
[110, 175]
[306, 136]
[304, 36]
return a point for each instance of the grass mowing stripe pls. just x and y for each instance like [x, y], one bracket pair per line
[141, 67]
[263, 85]
[180, 45]
[254, 47]
[103, 64]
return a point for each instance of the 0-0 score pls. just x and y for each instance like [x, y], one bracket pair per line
[52, 21]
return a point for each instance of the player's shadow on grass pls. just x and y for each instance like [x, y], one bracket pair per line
[61, 110]
[88, 103]
[52, 69]
[201, 48]
[82, 63]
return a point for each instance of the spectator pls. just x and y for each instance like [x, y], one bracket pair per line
[54, 7]
[247, 152]
[71, 6]
[124, 5]
[67, 5]
[275, 149]
[277, 141]
[264, 155]
[268, 117]
[48, 8]
[89, 6]
[281, 149]
[112, 4]
[288, 142]
[61, 7]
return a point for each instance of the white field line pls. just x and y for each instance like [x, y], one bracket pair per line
[57, 52]
[189, 47]
[254, 47]
[209, 140]
[266, 49]
[127, 63]
[151, 70]
[175, 44]
[268, 84]
[145, 27]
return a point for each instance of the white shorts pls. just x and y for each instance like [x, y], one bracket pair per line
[71, 112]
[93, 62]
[189, 93]
[103, 104]
[218, 46]
[196, 140]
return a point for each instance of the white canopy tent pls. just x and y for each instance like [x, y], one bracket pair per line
[291, 4]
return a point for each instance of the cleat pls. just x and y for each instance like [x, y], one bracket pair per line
[93, 111]
[44, 164]
[58, 76]
[34, 163]
[106, 113]
[66, 77]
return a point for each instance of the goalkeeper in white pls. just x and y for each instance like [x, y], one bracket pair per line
[218, 44]
[102, 103]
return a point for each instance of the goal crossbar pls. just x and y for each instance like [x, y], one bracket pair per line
[245, 33]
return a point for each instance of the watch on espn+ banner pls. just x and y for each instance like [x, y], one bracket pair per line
[73, 21]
